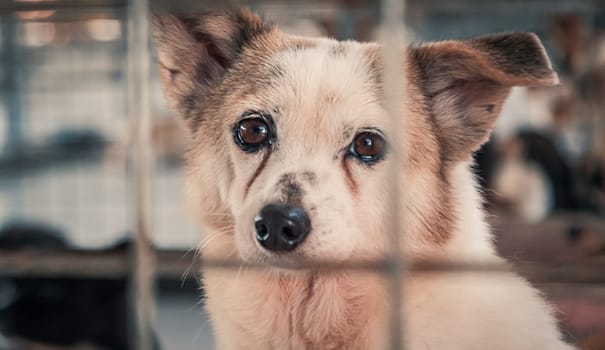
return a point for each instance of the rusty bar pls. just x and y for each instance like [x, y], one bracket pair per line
[174, 263]
[143, 256]
[392, 19]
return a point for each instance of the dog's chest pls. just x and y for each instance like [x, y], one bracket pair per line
[315, 312]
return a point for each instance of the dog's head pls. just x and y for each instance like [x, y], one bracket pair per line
[292, 142]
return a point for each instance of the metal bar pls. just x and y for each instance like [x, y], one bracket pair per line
[143, 264]
[11, 86]
[477, 6]
[89, 264]
[13, 6]
[175, 263]
[392, 20]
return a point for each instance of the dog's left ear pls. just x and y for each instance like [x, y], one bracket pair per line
[195, 52]
[465, 84]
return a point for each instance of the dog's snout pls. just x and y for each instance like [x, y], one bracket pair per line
[281, 227]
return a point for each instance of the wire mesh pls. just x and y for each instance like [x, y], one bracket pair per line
[99, 205]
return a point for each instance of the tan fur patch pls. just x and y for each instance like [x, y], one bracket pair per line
[466, 83]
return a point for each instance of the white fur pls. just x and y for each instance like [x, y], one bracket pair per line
[476, 310]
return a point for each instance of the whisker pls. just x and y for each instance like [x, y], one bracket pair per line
[197, 252]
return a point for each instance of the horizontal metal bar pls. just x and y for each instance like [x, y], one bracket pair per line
[85, 263]
[8, 6]
[427, 5]
[174, 263]
[12, 6]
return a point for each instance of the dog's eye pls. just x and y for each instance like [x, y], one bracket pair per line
[252, 133]
[368, 147]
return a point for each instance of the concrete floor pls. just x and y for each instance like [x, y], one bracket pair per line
[182, 323]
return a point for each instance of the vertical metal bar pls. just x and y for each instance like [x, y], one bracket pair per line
[393, 40]
[11, 86]
[143, 262]
[12, 95]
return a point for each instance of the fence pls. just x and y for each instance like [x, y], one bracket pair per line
[102, 160]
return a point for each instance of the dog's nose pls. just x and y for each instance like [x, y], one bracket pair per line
[281, 227]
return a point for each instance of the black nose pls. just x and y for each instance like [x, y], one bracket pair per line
[281, 227]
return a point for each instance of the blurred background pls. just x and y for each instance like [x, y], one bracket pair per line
[66, 175]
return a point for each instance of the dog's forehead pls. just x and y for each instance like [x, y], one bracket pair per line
[328, 84]
[337, 69]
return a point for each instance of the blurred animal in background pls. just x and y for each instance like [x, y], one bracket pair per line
[59, 312]
[529, 177]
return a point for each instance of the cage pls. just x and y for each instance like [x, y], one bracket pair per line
[92, 215]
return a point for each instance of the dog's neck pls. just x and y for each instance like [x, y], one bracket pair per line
[300, 310]
[471, 239]
[344, 303]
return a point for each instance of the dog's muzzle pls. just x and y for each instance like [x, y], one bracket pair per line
[280, 228]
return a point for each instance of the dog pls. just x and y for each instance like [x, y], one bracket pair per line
[289, 164]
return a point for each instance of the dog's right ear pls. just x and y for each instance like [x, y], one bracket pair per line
[195, 51]
[465, 84]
